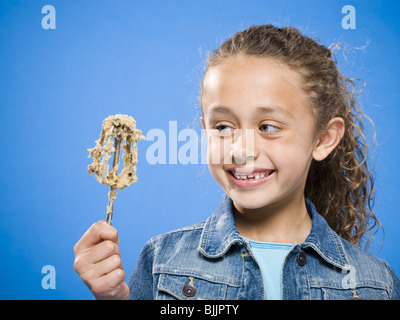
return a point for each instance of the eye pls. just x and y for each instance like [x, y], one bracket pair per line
[268, 128]
[223, 129]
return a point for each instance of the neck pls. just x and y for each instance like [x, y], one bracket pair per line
[281, 222]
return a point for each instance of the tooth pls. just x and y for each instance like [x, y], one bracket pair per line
[250, 176]
[262, 175]
[257, 176]
[243, 177]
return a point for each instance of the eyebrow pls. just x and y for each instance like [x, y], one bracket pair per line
[260, 110]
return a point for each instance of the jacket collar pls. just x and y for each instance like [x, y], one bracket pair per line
[324, 240]
[220, 233]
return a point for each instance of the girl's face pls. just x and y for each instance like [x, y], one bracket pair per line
[261, 132]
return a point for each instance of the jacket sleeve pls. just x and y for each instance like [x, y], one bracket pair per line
[395, 294]
[140, 282]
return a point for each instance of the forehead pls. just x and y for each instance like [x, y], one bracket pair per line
[241, 82]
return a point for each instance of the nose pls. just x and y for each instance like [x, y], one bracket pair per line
[243, 148]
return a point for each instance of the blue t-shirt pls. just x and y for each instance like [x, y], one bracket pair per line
[270, 257]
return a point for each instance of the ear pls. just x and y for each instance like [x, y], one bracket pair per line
[329, 139]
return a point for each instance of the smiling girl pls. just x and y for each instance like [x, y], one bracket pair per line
[286, 132]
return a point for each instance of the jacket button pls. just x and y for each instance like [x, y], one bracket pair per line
[302, 258]
[189, 290]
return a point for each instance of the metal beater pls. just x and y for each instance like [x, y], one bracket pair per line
[119, 128]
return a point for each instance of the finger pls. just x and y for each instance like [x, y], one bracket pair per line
[109, 265]
[85, 260]
[106, 284]
[102, 251]
[97, 233]
[103, 268]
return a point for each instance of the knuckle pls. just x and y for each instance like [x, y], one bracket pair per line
[95, 228]
[78, 264]
[116, 260]
[109, 246]
[97, 286]
[119, 275]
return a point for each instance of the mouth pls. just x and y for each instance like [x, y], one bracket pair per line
[250, 178]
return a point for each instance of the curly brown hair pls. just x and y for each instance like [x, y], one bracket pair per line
[341, 185]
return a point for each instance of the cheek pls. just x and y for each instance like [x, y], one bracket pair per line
[291, 157]
[218, 154]
[218, 151]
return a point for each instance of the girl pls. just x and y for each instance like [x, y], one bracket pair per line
[286, 145]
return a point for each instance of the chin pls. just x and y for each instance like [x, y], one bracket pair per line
[248, 201]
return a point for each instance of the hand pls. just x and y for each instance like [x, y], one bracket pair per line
[98, 262]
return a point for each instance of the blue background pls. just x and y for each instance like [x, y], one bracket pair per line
[145, 58]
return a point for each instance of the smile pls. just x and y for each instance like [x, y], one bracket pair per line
[253, 179]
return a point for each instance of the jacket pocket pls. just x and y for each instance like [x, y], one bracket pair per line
[183, 287]
[364, 293]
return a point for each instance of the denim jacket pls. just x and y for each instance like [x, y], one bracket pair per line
[211, 260]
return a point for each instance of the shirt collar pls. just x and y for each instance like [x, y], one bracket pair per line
[220, 233]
